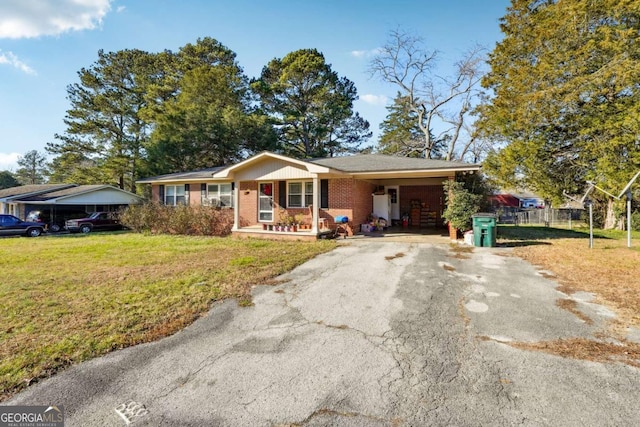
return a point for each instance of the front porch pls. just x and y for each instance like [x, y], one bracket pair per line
[258, 231]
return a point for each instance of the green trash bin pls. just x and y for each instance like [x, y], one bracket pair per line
[484, 229]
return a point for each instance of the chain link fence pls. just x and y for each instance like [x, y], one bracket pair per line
[545, 217]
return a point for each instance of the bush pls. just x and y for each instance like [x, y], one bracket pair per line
[186, 220]
[461, 205]
[635, 221]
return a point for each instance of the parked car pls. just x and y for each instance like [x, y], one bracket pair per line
[60, 216]
[14, 226]
[97, 221]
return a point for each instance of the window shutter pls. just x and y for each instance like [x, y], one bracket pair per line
[324, 194]
[161, 194]
[282, 193]
[186, 194]
[203, 192]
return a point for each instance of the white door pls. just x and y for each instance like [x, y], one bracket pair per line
[265, 202]
[394, 194]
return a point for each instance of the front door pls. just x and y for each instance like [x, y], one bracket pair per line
[392, 191]
[265, 202]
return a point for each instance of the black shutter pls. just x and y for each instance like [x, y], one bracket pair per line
[282, 194]
[324, 194]
[186, 194]
[161, 194]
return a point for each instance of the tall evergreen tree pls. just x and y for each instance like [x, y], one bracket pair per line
[311, 106]
[566, 99]
[105, 133]
[32, 168]
[8, 180]
[205, 119]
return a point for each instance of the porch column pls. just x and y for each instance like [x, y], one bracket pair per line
[236, 206]
[316, 210]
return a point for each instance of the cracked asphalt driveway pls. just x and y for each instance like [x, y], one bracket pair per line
[372, 333]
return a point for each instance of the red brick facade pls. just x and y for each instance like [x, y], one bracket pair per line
[347, 197]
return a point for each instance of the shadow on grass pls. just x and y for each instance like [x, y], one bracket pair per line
[514, 236]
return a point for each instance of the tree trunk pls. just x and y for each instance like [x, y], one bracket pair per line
[610, 220]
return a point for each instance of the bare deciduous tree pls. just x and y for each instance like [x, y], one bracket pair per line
[406, 63]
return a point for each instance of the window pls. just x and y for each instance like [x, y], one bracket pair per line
[174, 195]
[300, 194]
[220, 195]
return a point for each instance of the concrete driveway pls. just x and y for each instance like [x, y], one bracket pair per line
[373, 333]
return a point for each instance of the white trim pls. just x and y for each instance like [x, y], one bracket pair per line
[311, 167]
[315, 216]
[236, 204]
[303, 194]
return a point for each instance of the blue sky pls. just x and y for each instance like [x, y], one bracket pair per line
[44, 43]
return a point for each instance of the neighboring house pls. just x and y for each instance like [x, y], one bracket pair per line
[19, 201]
[267, 186]
[516, 200]
[504, 200]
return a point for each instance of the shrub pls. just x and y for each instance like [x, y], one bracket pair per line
[461, 205]
[635, 221]
[186, 220]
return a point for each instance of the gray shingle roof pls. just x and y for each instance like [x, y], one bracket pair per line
[79, 189]
[29, 189]
[198, 174]
[382, 163]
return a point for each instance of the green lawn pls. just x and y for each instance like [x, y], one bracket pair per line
[64, 299]
[513, 234]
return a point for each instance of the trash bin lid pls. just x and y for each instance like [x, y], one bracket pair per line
[484, 215]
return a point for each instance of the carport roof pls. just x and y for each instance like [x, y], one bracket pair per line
[29, 190]
[182, 176]
[66, 192]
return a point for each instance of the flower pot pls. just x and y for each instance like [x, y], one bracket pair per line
[264, 226]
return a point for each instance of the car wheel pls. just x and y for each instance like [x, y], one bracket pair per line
[34, 232]
[85, 229]
[55, 228]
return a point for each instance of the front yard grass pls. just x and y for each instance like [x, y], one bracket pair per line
[69, 298]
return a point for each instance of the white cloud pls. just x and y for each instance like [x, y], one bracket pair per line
[34, 18]
[365, 53]
[120, 9]
[9, 58]
[9, 161]
[374, 99]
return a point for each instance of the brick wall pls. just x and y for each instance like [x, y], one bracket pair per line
[363, 202]
[248, 200]
[155, 193]
[340, 200]
[432, 195]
